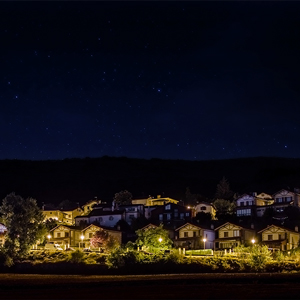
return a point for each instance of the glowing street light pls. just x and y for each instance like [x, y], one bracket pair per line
[82, 237]
[204, 240]
[160, 239]
[253, 241]
[49, 237]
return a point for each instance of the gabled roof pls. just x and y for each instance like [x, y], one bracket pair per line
[67, 226]
[281, 227]
[233, 225]
[150, 225]
[282, 191]
[193, 224]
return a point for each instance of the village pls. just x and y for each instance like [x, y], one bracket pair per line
[257, 218]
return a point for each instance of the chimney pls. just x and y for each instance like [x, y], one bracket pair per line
[296, 228]
[254, 194]
[158, 196]
[212, 226]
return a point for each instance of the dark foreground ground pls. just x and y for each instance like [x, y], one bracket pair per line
[171, 286]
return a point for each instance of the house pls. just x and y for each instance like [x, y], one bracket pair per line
[285, 198]
[229, 236]
[170, 212]
[132, 211]
[101, 217]
[205, 207]
[192, 236]
[87, 207]
[253, 205]
[65, 235]
[279, 238]
[88, 232]
[151, 201]
[62, 215]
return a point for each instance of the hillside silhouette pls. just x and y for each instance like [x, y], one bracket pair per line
[80, 180]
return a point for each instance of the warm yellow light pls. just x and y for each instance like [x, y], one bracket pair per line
[253, 241]
[49, 236]
[160, 239]
[204, 240]
[82, 237]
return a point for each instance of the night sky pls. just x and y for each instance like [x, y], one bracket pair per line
[171, 80]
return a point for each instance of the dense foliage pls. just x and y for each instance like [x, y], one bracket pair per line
[153, 239]
[24, 222]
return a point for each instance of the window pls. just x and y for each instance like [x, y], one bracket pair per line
[131, 217]
[66, 234]
[186, 234]
[270, 237]
[90, 234]
[168, 207]
[168, 216]
[243, 212]
[176, 213]
[111, 218]
[160, 217]
[181, 215]
[58, 234]
[187, 214]
[50, 212]
[278, 200]
[247, 203]
[242, 203]
[236, 233]
[288, 199]
[203, 208]
[225, 234]
[194, 233]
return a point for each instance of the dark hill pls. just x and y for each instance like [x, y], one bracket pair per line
[80, 180]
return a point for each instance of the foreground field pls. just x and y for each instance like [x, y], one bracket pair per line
[172, 286]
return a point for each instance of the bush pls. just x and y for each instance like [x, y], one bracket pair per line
[77, 256]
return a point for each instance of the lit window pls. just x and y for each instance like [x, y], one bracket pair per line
[168, 207]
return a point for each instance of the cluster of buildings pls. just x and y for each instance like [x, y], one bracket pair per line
[77, 225]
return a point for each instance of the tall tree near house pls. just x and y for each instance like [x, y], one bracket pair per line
[223, 190]
[153, 239]
[224, 209]
[24, 222]
[122, 198]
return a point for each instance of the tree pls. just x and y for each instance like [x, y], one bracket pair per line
[99, 239]
[24, 222]
[154, 239]
[223, 190]
[122, 198]
[224, 208]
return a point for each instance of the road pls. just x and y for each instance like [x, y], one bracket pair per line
[172, 286]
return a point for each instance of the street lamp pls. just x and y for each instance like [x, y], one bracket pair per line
[160, 239]
[253, 241]
[82, 237]
[204, 240]
[49, 237]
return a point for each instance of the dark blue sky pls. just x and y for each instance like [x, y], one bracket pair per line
[172, 80]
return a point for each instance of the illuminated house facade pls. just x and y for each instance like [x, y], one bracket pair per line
[279, 238]
[88, 232]
[61, 215]
[73, 236]
[229, 236]
[190, 236]
[205, 207]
